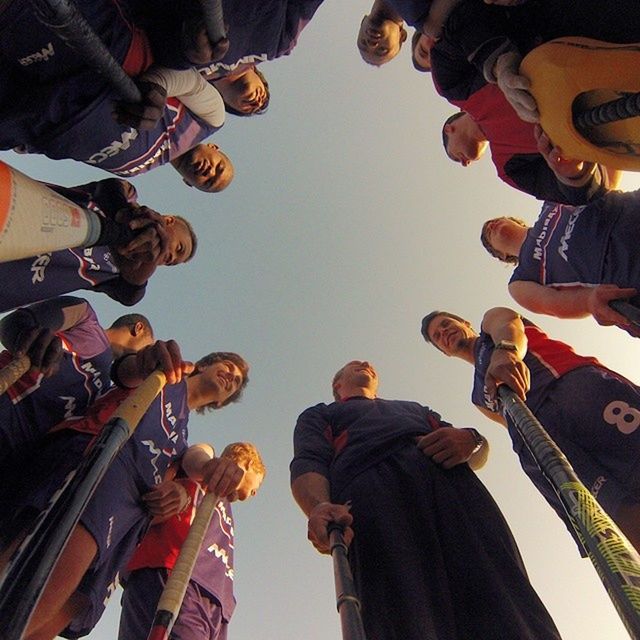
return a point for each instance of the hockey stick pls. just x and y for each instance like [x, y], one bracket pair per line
[347, 601]
[173, 593]
[25, 577]
[64, 19]
[34, 219]
[13, 371]
[628, 310]
[614, 558]
[213, 20]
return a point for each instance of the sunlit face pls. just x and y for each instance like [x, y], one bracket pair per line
[462, 145]
[248, 487]
[449, 335]
[180, 243]
[358, 373]
[205, 167]
[501, 234]
[379, 41]
[422, 51]
[246, 94]
[222, 379]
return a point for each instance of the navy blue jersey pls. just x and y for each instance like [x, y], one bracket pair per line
[342, 439]
[586, 245]
[258, 30]
[547, 359]
[29, 46]
[52, 274]
[34, 404]
[95, 138]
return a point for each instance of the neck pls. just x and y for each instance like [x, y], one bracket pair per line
[515, 243]
[466, 350]
[360, 392]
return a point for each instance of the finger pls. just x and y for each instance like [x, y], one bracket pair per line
[52, 357]
[41, 341]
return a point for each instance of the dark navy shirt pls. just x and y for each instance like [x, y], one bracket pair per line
[342, 439]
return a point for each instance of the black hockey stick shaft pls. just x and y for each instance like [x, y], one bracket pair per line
[628, 310]
[64, 18]
[25, 577]
[347, 601]
[614, 558]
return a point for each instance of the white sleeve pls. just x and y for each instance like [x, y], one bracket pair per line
[197, 95]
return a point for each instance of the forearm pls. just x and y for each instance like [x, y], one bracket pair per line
[57, 314]
[310, 490]
[563, 303]
[200, 97]
[504, 324]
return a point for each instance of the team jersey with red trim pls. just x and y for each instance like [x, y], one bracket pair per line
[95, 138]
[52, 274]
[34, 404]
[570, 246]
[342, 439]
[547, 359]
[159, 438]
[213, 570]
[258, 30]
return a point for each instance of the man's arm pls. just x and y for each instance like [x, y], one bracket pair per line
[572, 302]
[311, 492]
[449, 447]
[31, 330]
[506, 329]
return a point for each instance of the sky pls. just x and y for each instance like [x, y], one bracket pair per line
[345, 225]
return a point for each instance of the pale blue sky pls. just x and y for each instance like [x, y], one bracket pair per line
[346, 224]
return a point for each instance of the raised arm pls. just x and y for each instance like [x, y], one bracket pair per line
[506, 329]
[31, 330]
[572, 302]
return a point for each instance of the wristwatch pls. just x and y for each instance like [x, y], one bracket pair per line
[479, 440]
[507, 345]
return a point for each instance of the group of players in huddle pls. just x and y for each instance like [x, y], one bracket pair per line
[571, 263]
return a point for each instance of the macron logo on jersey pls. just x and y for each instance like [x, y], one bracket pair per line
[39, 56]
[114, 147]
[564, 240]
[214, 69]
[38, 267]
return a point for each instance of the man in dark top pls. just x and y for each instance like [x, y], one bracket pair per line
[431, 553]
[589, 411]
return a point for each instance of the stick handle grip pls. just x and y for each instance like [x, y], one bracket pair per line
[13, 372]
[176, 586]
[132, 408]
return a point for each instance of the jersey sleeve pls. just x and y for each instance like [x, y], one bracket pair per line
[312, 450]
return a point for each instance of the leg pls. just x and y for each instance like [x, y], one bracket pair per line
[57, 605]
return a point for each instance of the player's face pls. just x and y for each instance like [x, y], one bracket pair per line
[422, 52]
[462, 146]
[501, 233]
[206, 168]
[222, 379]
[248, 94]
[379, 41]
[449, 334]
[248, 487]
[359, 373]
[179, 244]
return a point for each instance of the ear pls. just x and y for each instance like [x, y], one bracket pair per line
[169, 220]
[213, 146]
[448, 128]
[137, 329]
[403, 34]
